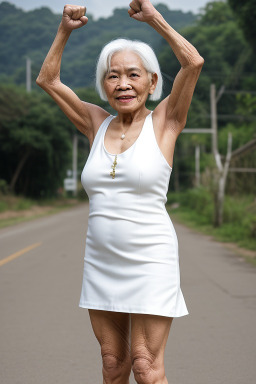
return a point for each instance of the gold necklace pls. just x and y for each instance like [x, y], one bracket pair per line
[113, 166]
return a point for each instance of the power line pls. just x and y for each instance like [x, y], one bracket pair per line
[231, 117]
[240, 92]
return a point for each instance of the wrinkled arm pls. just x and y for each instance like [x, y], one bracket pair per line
[83, 115]
[176, 105]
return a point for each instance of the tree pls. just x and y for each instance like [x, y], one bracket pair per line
[35, 145]
[31, 34]
[245, 12]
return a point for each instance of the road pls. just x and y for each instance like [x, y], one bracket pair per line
[45, 338]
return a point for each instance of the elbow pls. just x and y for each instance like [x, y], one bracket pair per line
[198, 62]
[194, 63]
[201, 61]
[39, 81]
[43, 83]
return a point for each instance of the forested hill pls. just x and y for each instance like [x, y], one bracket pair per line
[30, 34]
[35, 135]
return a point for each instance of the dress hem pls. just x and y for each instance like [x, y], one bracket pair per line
[125, 310]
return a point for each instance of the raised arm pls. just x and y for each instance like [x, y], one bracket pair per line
[175, 107]
[83, 115]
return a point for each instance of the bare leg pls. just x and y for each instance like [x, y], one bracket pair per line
[112, 332]
[149, 334]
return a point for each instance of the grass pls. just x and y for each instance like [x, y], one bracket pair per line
[15, 209]
[195, 209]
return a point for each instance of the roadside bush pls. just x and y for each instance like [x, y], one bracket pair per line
[81, 195]
[235, 209]
[3, 186]
[239, 216]
[23, 204]
[200, 201]
[249, 223]
[3, 206]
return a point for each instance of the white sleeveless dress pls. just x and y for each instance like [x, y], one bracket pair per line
[131, 261]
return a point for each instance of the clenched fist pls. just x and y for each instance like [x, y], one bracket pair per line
[73, 17]
[142, 10]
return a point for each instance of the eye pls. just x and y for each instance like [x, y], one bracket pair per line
[112, 76]
[134, 75]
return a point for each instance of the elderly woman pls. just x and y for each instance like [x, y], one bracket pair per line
[131, 282]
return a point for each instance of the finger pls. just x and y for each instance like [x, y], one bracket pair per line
[137, 16]
[82, 11]
[135, 6]
[74, 12]
[68, 10]
[131, 12]
[84, 19]
[79, 23]
[74, 7]
[78, 13]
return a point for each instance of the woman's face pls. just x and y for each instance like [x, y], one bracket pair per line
[128, 84]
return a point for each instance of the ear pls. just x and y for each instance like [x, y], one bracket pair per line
[153, 83]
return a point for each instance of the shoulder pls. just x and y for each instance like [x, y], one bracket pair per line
[97, 117]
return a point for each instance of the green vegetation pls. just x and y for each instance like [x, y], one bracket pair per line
[230, 62]
[246, 15]
[30, 34]
[36, 137]
[36, 142]
[16, 209]
[196, 209]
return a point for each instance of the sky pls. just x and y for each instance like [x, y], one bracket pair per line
[104, 8]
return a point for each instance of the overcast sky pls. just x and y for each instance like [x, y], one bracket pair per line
[104, 7]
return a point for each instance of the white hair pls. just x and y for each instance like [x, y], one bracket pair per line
[143, 50]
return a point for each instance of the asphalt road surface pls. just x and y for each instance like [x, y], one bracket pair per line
[45, 338]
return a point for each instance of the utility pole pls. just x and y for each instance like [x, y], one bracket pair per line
[214, 124]
[28, 74]
[75, 141]
[222, 170]
[197, 156]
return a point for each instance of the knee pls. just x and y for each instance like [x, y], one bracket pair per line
[110, 363]
[141, 366]
[147, 370]
[115, 367]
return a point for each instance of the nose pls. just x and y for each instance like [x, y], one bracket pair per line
[124, 84]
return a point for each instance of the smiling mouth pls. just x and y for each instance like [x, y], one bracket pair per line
[125, 99]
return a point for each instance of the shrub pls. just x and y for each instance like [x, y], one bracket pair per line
[3, 186]
[3, 206]
[23, 204]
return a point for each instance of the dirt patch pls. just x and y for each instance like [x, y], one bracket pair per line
[35, 210]
[241, 251]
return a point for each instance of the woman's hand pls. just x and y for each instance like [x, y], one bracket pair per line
[73, 17]
[142, 10]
